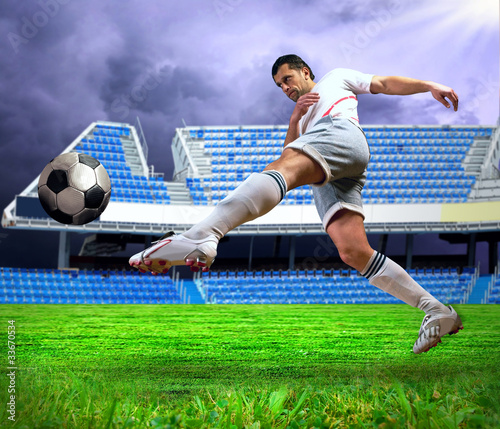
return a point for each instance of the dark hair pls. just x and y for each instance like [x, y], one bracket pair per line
[293, 61]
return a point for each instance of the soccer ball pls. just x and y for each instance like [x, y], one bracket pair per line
[74, 188]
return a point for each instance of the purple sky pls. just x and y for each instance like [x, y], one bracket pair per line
[65, 64]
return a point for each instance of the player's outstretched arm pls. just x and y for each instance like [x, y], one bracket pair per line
[398, 85]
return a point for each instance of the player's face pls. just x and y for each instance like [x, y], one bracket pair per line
[292, 82]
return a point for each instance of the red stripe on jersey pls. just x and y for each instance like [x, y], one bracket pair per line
[337, 102]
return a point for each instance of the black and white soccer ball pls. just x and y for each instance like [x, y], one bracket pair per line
[74, 188]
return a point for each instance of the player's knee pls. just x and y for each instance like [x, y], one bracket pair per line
[275, 165]
[351, 255]
[282, 166]
[284, 162]
[347, 257]
[297, 169]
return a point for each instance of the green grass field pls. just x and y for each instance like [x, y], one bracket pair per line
[267, 366]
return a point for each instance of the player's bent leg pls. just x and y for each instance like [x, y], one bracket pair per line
[347, 231]
[256, 196]
[297, 168]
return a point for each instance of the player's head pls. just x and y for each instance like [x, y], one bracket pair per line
[293, 61]
[293, 76]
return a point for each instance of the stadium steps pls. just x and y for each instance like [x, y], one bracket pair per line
[132, 157]
[474, 159]
[486, 190]
[193, 296]
[202, 160]
[179, 193]
[477, 294]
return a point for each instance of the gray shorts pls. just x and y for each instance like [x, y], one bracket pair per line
[341, 149]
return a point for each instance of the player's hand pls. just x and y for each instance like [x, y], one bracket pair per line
[303, 103]
[441, 93]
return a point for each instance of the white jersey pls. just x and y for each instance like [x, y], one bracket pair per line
[337, 91]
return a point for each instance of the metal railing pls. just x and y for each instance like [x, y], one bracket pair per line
[142, 138]
[489, 170]
[489, 289]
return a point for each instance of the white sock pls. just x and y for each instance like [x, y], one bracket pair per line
[385, 274]
[256, 196]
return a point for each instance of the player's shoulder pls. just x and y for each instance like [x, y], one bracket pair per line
[339, 74]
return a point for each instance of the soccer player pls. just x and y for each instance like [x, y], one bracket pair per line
[324, 147]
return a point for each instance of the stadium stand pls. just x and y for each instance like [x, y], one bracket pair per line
[44, 286]
[115, 148]
[325, 287]
[422, 173]
[409, 165]
[413, 164]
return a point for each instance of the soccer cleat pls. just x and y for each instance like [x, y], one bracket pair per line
[434, 327]
[174, 249]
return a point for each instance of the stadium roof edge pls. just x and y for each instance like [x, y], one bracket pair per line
[113, 124]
